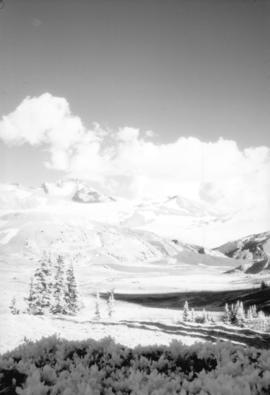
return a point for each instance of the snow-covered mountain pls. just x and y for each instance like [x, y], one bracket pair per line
[253, 249]
[173, 217]
[76, 190]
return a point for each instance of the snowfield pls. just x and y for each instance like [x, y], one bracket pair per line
[15, 330]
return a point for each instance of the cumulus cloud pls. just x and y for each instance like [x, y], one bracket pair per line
[129, 163]
[43, 119]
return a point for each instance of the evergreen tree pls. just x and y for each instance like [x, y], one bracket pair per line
[13, 306]
[262, 320]
[97, 307]
[58, 305]
[205, 316]
[39, 298]
[249, 314]
[261, 315]
[110, 304]
[39, 301]
[233, 311]
[227, 314]
[71, 293]
[112, 299]
[186, 312]
[240, 314]
[254, 311]
[237, 313]
[46, 276]
[31, 298]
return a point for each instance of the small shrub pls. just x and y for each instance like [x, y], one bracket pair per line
[55, 366]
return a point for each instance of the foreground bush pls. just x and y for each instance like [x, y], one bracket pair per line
[54, 366]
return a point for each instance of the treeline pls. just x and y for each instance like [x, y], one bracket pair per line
[234, 314]
[52, 366]
[190, 315]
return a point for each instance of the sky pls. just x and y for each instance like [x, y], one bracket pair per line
[139, 96]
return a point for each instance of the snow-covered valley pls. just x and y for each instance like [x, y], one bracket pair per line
[108, 243]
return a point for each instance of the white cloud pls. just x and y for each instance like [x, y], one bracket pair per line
[127, 162]
[43, 119]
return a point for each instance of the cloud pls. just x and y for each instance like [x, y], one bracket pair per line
[39, 120]
[210, 193]
[129, 163]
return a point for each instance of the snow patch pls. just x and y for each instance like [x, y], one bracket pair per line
[8, 235]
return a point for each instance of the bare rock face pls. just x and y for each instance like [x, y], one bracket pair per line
[88, 195]
[254, 249]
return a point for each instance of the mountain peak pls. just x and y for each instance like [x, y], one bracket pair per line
[77, 190]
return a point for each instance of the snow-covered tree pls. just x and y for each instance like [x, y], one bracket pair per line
[39, 297]
[261, 320]
[58, 305]
[112, 299]
[40, 289]
[110, 304]
[205, 316]
[186, 312]
[249, 314]
[71, 292]
[13, 306]
[97, 307]
[31, 297]
[261, 315]
[239, 313]
[52, 289]
[254, 311]
[227, 314]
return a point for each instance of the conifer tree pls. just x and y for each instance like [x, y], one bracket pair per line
[46, 275]
[254, 311]
[262, 320]
[205, 316]
[31, 298]
[71, 293]
[58, 305]
[112, 299]
[227, 314]
[40, 287]
[261, 315]
[186, 312]
[13, 306]
[249, 314]
[110, 304]
[97, 307]
[240, 314]
[38, 292]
